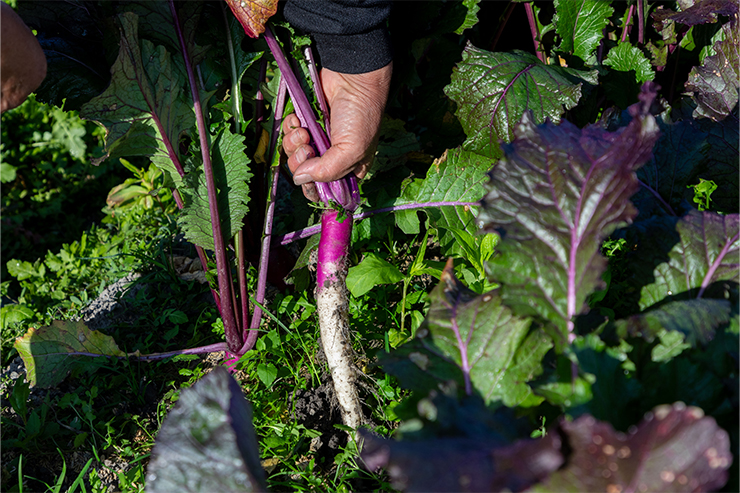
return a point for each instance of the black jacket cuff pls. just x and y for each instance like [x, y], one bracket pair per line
[355, 53]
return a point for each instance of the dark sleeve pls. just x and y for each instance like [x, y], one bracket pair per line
[351, 36]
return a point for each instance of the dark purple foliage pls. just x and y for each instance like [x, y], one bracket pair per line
[715, 85]
[207, 442]
[701, 12]
[674, 449]
[557, 193]
[463, 464]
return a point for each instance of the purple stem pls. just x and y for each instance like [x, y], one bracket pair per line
[316, 228]
[233, 334]
[502, 25]
[640, 21]
[713, 268]
[269, 215]
[534, 30]
[343, 191]
[297, 95]
[626, 28]
[314, 73]
[212, 348]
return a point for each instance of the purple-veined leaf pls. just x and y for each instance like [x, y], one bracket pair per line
[156, 25]
[722, 163]
[701, 12]
[463, 464]
[144, 110]
[458, 176]
[50, 352]
[77, 66]
[207, 442]
[707, 252]
[253, 14]
[580, 25]
[554, 197]
[715, 85]
[673, 449]
[678, 157]
[493, 91]
[475, 341]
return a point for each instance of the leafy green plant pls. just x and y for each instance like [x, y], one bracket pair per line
[599, 300]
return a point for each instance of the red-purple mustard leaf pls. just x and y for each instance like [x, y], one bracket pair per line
[696, 319]
[50, 352]
[475, 341]
[493, 90]
[77, 67]
[463, 464]
[722, 163]
[701, 12]
[145, 109]
[678, 158]
[207, 442]
[157, 25]
[707, 252]
[557, 193]
[253, 14]
[715, 84]
[673, 449]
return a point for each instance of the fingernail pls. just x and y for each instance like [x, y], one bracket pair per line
[302, 179]
[295, 138]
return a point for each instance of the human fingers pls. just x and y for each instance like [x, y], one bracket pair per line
[294, 135]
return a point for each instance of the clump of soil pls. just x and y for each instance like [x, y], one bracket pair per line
[318, 410]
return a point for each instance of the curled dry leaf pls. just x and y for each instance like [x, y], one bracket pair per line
[253, 14]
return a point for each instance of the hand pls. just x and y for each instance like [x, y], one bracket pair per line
[23, 60]
[356, 103]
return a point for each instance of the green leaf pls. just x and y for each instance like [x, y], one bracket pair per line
[231, 175]
[715, 85]
[7, 172]
[267, 373]
[50, 352]
[613, 391]
[178, 317]
[68, 129]
[471, 17]
[580, 25]
[145, 109]
[457, 176]
[372, 271]
[697, 319]
[625, 58]
[207, 442]
[25, 270]
[707, 252]
[493, 90]
[13, 314]
[473, 340]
